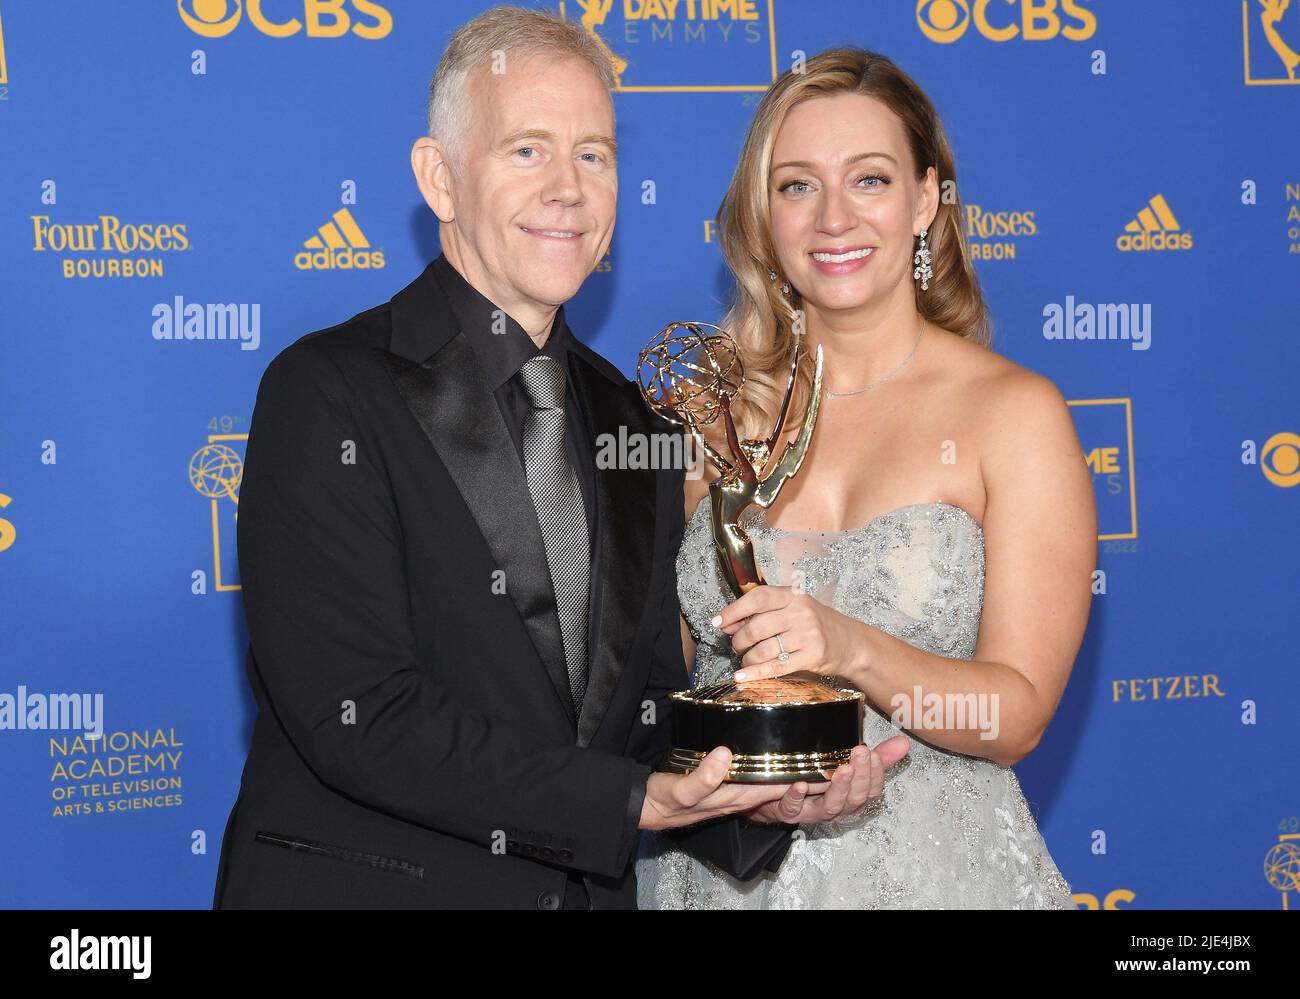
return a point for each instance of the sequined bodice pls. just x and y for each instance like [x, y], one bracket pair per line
[916, 572]
[950, 830]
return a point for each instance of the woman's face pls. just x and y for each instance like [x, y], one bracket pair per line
[846, 202]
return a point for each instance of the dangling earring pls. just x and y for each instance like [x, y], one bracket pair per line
[785, 285]
[922, 260]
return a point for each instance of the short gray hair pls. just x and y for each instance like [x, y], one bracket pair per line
[515, 32]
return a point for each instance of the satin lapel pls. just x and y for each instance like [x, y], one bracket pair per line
[458, 413]
[625, 509]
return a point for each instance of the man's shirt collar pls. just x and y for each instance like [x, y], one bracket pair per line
[502, 354]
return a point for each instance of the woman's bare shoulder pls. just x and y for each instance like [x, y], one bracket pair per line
[995, 386]
[969, 363]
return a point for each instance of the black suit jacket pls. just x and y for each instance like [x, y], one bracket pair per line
[412, 747]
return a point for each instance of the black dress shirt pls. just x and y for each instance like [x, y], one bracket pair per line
[501, 355]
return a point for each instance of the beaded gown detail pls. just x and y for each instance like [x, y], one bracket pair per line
[950, 831]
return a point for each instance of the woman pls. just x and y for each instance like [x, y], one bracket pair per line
[933, 459]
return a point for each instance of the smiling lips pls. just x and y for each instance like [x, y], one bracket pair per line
[552, 233]
[841, 261]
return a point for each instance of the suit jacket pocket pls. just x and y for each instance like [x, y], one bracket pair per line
[343, 853]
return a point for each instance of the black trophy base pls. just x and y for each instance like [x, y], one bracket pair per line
[766, 768]
[779, 730]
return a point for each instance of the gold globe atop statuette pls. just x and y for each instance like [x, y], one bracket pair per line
[780, 729]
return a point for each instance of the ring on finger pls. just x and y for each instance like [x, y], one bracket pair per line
[783, 656]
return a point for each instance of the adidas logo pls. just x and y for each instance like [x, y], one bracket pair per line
[338, 245]
[1155, 228]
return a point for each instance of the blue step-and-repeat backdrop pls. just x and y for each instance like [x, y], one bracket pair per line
[1116, 157]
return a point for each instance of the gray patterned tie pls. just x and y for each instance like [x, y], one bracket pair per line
[561, 515]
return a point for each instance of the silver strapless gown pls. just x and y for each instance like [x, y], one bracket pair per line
[951, 831]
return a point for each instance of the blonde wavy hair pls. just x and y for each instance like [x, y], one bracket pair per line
[761, 318]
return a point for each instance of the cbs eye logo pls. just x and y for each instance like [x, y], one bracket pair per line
[943, 20]
[325, 18]
[1280, 459]
[209, 18]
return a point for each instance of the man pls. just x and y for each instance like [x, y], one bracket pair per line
[463, 634]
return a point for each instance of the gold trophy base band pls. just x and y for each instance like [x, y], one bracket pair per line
[767, 768]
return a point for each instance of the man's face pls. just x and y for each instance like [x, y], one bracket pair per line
[535, 198]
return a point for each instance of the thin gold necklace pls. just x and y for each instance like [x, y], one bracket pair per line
[878, 381]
